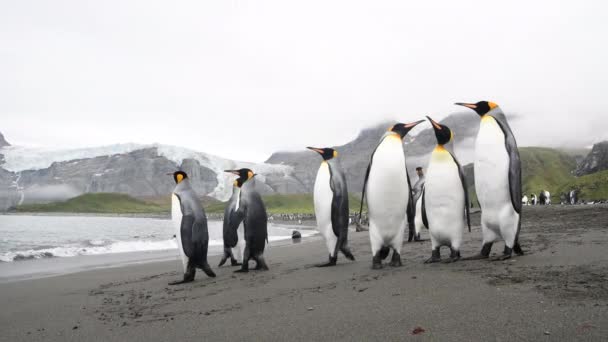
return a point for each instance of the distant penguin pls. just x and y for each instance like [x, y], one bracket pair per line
[233, 230]
[533, 199]
[524, 200]
[547, 198]
[331, 205]
[387, 189]
[542, 197]
[497, 180]
[250, 206]
[190, 223]
[445, 200]
[419, 223]
[573, 197]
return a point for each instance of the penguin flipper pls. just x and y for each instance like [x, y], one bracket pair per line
[369, 167]
[411, 206]
[200, 243]
[465, 188]
[186, 230]
[339, 202]
[232, 220]
[425, 221]
[514, 161]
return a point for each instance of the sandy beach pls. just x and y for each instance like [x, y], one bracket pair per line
[558, 291]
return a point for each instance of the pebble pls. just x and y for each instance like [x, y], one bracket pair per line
[547, 333]
[310, 308]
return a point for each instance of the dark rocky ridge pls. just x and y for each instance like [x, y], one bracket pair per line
[596, 160]
[3, 141]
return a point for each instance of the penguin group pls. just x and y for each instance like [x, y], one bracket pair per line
[441, 203]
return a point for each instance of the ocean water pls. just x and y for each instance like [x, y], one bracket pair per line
[41, 237]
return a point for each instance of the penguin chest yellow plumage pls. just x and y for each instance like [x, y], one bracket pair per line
[444, 198]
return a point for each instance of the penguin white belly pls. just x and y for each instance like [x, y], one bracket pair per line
[238, 250]
[492, 178]
[418, 220]
[176, 217]
[387, 194]
[323, 197]
[444, 200]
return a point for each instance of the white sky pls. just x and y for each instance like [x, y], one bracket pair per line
[242, 79]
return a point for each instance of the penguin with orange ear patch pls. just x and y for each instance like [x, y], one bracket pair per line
[445, 201]
[331, 205]
[190, 222]
[251, 209]
[497, 180]
[388, 192]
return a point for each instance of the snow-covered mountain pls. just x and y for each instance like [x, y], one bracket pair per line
[29, 175]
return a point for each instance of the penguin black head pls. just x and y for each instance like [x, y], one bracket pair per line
[482, 107]
[244, 175]
[178, 176]
[442, 132]
[402, 128]
[327, 153]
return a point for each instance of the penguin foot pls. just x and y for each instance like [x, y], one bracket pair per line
[187, 279]
[377, 266]
[476, 257]
[241, 271]
[347, 253]
[234, 262]
[517, 249]
[327, 264]
[223, 261]
[435, 257]
[454, 256]
[501, 258]
[395, 260]
[417, 238]
[260, 264]
[377, 260]
[432, 260]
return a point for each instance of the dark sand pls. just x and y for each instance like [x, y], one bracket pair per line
[558, 291]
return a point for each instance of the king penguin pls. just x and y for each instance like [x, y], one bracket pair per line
[331, 205]
[233, 230]
[445, 200]
[190, 224]
[497, 180]
[388, 191]
[250, 207]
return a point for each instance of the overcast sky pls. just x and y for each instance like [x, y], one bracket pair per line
[242, 79]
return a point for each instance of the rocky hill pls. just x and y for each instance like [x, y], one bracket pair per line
[596, 160]
[3, 141]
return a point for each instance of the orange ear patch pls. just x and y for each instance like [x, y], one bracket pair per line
[492, 105]
[179, 178]
[249, 175]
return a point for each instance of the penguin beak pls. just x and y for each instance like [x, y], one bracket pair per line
[468, 105]
[436, 125]
[413, 124]
[318, 150]
[235, 172]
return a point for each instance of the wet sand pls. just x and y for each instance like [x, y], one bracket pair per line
[558, 291]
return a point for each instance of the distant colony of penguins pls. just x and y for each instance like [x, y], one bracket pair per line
[443, 206]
